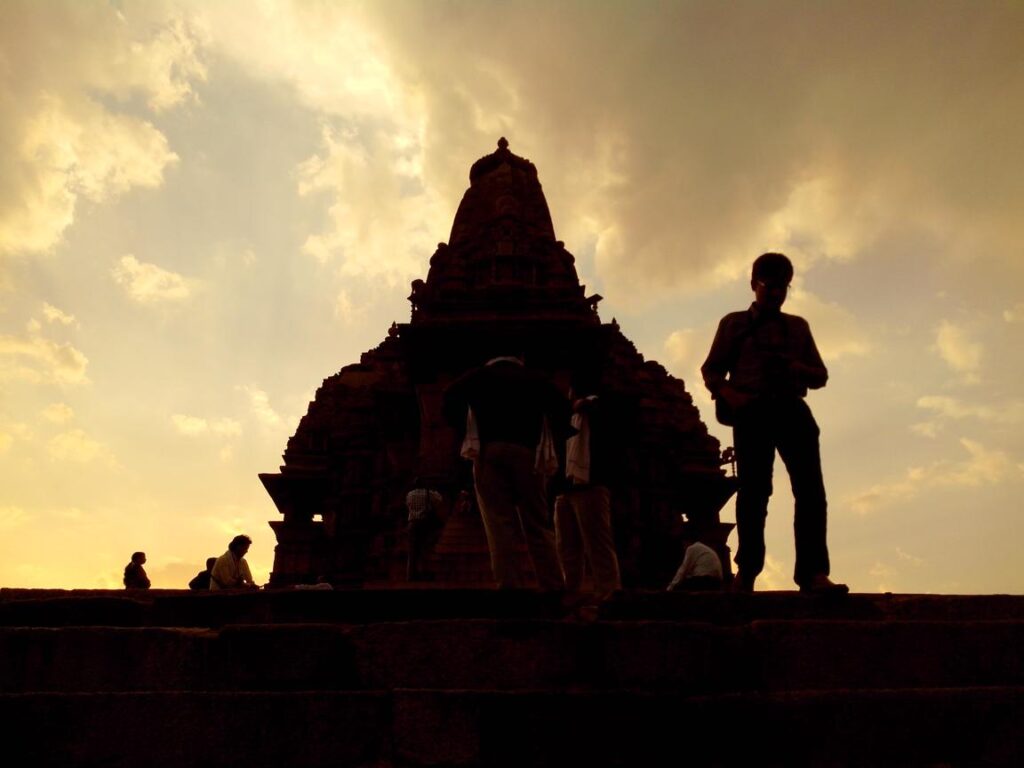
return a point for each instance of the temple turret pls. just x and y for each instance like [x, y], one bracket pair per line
[501, 282]
[502, 259]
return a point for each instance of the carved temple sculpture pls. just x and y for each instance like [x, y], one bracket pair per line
[376, 425]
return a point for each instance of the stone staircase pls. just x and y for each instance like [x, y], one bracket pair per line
[477, 677]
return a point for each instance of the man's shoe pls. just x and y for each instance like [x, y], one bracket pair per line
[821, 584]
[741, 583]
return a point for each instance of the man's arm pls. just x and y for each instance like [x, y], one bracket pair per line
[455, 400]
[245, 574]
[809, 367]
[720, 359]
[716, 366]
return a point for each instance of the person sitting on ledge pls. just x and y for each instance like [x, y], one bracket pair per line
[231, 571]
[423, 503]
[202, 579]
[701, 570]
[134, 574]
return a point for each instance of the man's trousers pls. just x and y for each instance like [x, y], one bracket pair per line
[511, 496]
[583, 531]
[788, 427]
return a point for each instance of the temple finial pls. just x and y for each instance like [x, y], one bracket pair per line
[502, 143]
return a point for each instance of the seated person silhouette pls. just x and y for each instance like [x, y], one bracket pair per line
[231, 571]
[700, 571]
[134, 574]
[201, 581]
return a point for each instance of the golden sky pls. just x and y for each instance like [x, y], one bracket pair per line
[208, 207]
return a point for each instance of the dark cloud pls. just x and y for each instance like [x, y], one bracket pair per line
[681, 131]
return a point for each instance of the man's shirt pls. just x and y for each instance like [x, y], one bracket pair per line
[419, 500]
[229, 571]
[509, 404]
[699, 561]
[750, 351]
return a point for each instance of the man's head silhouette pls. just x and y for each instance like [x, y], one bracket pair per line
[770, 279]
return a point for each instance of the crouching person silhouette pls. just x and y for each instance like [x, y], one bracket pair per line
[761, 364]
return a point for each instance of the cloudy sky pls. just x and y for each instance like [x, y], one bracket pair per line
[206, 208]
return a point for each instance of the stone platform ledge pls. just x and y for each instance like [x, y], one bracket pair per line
[182, 608]
[949, 727]
[488, 654]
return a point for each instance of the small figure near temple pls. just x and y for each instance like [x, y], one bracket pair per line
[700, 571]
[323, 584]
[201, 581]
[761, 364]
[134, 574]
[231, 571]
[423, 504]
[506, 404]
[583, 525]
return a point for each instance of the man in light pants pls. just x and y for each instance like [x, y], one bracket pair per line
[583, 512]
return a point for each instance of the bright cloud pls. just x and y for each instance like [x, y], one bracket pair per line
[77, 447]
[376, 228]
[148, 283]
[681, 349]
[73, 152]
[909, 558]
[347, 310]
[881, 571]
[837, 332]
[774, 575]
[40, 360]
[1015, 314]
[259, 403]
[383, 216]
[12, 518]
[993, 413]
[192, 426]
[929, 429]
[889, 572]
[58, 413]
[54, 315]
[62, 141]
[13, 431]
[983, 466]
[960, 352]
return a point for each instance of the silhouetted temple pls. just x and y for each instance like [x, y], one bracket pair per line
[501, 281]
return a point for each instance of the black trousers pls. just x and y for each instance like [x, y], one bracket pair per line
[786, 426]
[419, 536]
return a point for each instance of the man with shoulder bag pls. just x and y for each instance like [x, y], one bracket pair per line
[761, 364]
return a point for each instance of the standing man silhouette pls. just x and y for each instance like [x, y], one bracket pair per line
[509, 404]
[761, 364]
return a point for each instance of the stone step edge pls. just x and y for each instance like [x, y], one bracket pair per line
[421, 727]
[543, 692]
